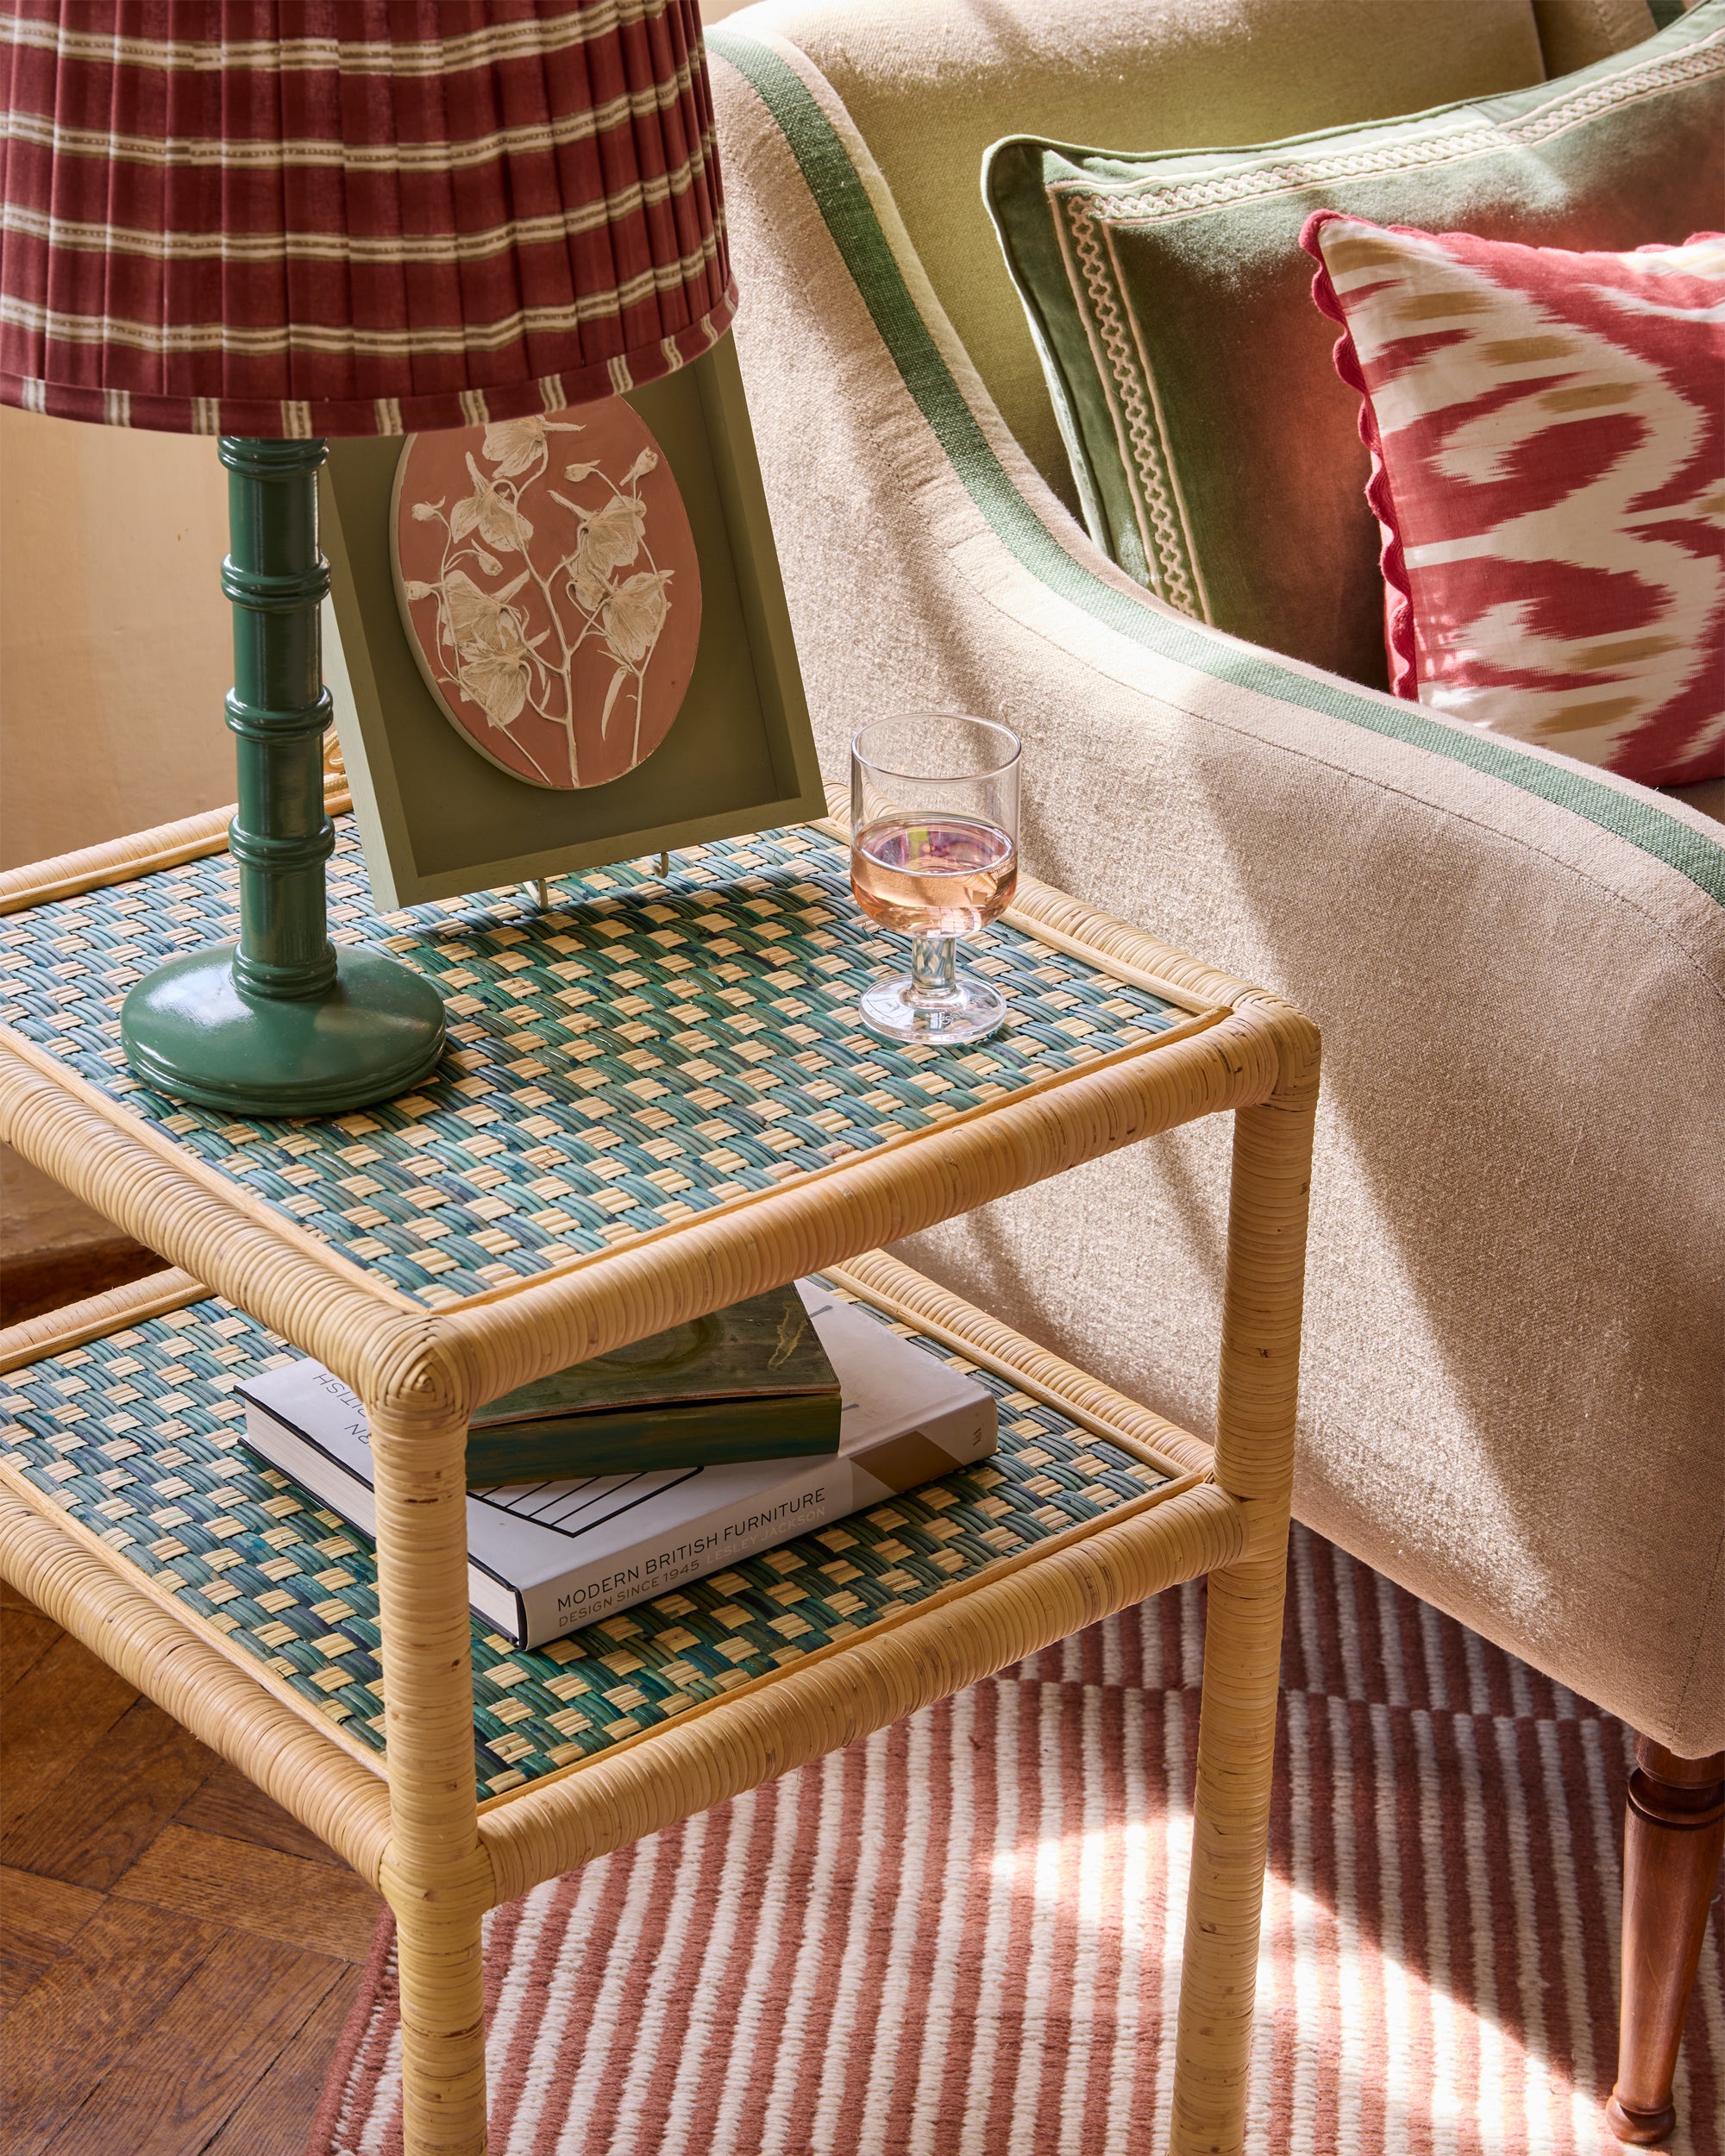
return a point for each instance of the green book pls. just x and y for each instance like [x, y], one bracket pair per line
[750, 1383]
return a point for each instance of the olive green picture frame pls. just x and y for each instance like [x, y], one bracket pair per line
[436, 819]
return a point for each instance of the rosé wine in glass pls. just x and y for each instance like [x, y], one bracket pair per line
[949, 876]
[934, 806]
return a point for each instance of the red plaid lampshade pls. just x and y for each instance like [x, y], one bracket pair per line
[353, 216]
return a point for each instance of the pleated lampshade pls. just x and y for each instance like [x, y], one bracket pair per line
[353, 216]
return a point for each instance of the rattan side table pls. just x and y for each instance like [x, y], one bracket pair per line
[657, 1101]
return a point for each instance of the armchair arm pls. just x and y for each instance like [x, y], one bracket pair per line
[1514, 1361]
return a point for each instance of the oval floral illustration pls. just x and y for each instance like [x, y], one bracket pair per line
[549, 588]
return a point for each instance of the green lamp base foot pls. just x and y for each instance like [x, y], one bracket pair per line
[188, 1031]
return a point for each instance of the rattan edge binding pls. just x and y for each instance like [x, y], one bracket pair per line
[138, 854]
[96, 1316]
[876, 1275]
[884, 1281]
[231, 1707]
[225, 1189]
[237, 1250]
[1199, 1022]
[879, 1199]
[61, 1122]
[115, 861]
[1114, 946]
[856, 1686]
[369, 1333]
[881, 1278]
[144, 1590]
[1002, 1569]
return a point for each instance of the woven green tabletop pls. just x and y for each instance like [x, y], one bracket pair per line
[139, 1438]
[644, 1051]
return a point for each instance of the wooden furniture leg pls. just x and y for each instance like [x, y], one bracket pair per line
[1255, 1403]
[1673, 1835]
[436, 1874]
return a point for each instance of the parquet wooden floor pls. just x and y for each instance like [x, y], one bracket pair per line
[176, 1954]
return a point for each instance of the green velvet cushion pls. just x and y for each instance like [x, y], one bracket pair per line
[1216, 454]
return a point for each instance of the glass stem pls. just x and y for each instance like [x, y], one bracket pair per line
[934, 970]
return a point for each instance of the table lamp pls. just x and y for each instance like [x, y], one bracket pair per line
[278, 222]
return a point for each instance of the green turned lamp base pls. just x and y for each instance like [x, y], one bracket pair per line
[375, 1032]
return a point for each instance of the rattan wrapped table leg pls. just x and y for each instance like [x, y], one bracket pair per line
[1254, 1462]
[436, 1875]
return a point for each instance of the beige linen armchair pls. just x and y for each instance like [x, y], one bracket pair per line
[1514, 1362]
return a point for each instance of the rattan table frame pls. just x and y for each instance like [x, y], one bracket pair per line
[416, 1829]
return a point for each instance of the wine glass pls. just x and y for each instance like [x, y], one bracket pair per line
[934, 855]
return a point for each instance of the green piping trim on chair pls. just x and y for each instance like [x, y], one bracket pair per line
[849, 217]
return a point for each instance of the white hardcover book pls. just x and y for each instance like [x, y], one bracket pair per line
[545, 1558]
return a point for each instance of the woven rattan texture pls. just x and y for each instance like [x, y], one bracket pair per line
[139, 1438]
[641, 1052]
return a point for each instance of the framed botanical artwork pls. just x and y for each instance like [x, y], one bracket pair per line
[559, 641]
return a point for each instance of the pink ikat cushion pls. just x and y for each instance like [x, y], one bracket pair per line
[1547, 441]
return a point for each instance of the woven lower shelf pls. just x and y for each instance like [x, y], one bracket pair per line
[131, 1442]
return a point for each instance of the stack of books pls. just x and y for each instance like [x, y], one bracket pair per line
[616, 1480]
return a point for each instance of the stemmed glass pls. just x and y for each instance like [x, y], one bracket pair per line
[934, 855]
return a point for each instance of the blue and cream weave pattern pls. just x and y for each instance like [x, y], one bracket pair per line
[644, 1051]
[140, 1438]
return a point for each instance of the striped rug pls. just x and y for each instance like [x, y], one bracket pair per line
[962, 1937]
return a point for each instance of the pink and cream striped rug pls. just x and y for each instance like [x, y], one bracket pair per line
[962, 1937]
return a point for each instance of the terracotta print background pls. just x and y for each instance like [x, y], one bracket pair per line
[549, 586]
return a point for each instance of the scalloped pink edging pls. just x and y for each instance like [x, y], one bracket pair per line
[1398, 596]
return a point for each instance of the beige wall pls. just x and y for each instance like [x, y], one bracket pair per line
[113, 660]
[114, 640]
